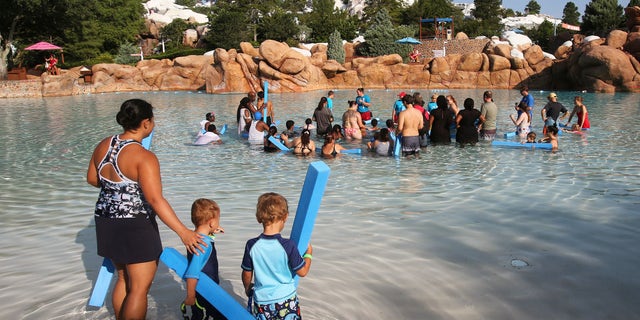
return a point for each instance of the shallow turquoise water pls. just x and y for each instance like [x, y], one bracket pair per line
[399, 239]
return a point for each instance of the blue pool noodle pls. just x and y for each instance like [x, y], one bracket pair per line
[278, 144]
[514, 144]
[208, 288]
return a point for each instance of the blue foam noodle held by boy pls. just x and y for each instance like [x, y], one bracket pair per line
[312, 191]
[103, 281]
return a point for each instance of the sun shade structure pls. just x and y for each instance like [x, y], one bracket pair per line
[409, 40]
[43, 45]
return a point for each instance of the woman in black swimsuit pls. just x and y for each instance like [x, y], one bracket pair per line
[331, 148]
[302, 145]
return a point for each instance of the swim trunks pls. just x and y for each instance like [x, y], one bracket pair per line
[410, 145]
[288, 309]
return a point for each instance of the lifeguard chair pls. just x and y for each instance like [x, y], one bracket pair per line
[443, 28]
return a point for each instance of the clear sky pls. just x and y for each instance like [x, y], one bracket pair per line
[552, 7]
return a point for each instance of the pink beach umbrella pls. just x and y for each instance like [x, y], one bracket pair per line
[44, 46]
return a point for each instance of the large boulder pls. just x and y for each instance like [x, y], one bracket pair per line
[498, 63]
[248, 48]
[609, 65]
[616, 39]
[534, 54]
[281, 57]
[470, 62]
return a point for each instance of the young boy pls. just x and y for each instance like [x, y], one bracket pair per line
[205, 215]
[531, 137]
[290, 132]
[273, 261]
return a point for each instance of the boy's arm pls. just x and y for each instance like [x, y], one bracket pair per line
[247, 276]
[191, 292]
[307, 262]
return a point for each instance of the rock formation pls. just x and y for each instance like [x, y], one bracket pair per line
[585, 63]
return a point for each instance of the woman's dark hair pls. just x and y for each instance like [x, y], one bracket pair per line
[468, 103]
[408, 99]
[308, 121]
[305, 137]
[384, 135]
[321, 104]
[328, 139]
[132, 112]
[442, 103]
[243, 103]
[273, 130]
[211, 128]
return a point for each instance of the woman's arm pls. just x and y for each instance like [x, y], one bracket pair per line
[458, 119]
[148, 169]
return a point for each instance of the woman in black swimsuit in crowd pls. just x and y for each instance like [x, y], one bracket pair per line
[302, 145]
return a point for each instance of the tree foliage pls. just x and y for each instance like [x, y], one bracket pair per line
[541, 35]
[487, 9]
[393, 7]
[280, 26]
[335, 49]
[633, 3]
[602, 16]
[229, 25]
[381, 37]
[570, 14]
[325, 19]
[533, 7]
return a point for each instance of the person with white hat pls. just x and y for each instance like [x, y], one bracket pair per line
[551, 112]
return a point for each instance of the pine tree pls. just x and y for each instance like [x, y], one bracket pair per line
[570, 14]
[602, 16]
[634, 3]
[335, 50]
[533, 7]
[380, 37]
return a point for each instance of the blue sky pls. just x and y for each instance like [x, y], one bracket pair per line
[552, 7]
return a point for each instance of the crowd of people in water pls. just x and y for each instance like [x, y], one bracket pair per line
[413, 123]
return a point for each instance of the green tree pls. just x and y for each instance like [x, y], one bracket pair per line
[541, 35]
[173, 33]
[487, 22]
[280, 26]
[335, 49]
[633, 3]
[533, 7]
[229, 25]
[325, 19]
[602, 16]
[430, 9]
[393, 7]
[381, 36]
[124, 54]
[570, 14]
[486, 9]
[102, 26]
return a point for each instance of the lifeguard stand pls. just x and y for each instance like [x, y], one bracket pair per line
[443, 28]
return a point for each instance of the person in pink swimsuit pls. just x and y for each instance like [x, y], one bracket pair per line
[580, 110]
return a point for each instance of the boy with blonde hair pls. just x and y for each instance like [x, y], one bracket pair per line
[205, 215]
[273, 261]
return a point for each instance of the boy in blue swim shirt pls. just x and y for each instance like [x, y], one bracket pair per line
[205, 215]
[272, 262]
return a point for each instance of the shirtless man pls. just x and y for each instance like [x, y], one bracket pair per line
[352, 122]
[409, 122]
